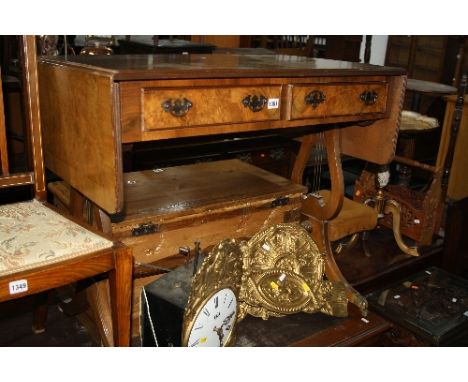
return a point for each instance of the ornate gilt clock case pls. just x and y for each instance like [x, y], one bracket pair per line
[283, 273]
[278, 271]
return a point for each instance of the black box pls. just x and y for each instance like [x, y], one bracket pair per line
[163, 304]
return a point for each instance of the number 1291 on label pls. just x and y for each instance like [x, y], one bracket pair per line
[18, 286]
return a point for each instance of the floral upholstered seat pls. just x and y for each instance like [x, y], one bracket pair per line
[33, 235]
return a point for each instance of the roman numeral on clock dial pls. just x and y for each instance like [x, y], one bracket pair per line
[215, 320]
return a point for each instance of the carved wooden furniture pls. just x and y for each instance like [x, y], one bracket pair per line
[354, 219]
[429, 58]
[40, 249]
[432, 303]
[419, 88]
[332, 216]
[457, 187]
[156, 45]
[295, 45]
[115, 100]
[351, 218]
[421, 211]
[455, 248]
[384, 205]
[344, 48]
[412, 132]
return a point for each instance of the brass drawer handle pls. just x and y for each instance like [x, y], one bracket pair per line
[369, 97]
[315, 98]
[178, 107]
[255, 103]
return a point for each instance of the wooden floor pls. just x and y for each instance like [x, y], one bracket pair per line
[386, 262]
[61, 330]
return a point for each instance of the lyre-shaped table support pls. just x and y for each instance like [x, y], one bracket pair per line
[318, 213]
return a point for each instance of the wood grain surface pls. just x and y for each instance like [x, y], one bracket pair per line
[81, 138]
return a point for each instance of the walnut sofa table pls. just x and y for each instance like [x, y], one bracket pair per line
[93, 105]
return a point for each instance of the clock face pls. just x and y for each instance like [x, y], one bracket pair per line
[214, 323]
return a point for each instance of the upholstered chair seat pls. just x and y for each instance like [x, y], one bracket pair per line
[33, 235]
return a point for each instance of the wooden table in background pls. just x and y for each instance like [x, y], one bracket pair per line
[148, 45]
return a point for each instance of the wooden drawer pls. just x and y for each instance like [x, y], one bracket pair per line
[326, 100]
[186, 107]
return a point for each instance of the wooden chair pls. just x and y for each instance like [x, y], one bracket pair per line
[294, 45]
[421, 210]
[41, 249]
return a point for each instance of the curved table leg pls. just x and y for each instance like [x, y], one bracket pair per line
[332, 271]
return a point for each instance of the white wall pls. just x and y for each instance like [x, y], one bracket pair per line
[378, 49]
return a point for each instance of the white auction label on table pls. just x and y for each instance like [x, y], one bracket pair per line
[18, 286]
[273, 103]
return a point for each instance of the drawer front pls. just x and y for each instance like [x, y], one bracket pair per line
[173, 108]
[326, 100]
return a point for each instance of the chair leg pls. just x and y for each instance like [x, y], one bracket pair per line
[341, 247]
[392, 206]
[40, 313]
[364, 243]
[120, 283]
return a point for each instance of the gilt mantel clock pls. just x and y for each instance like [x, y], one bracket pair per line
[212, 307]
[279, 271]
[181, 310]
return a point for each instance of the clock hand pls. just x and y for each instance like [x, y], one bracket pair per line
[220, 333]
[227, 319]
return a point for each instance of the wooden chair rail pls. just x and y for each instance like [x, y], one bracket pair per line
[414, 163]
[53, 275]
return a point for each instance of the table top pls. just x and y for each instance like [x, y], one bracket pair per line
[428, 87]
[168, 66]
